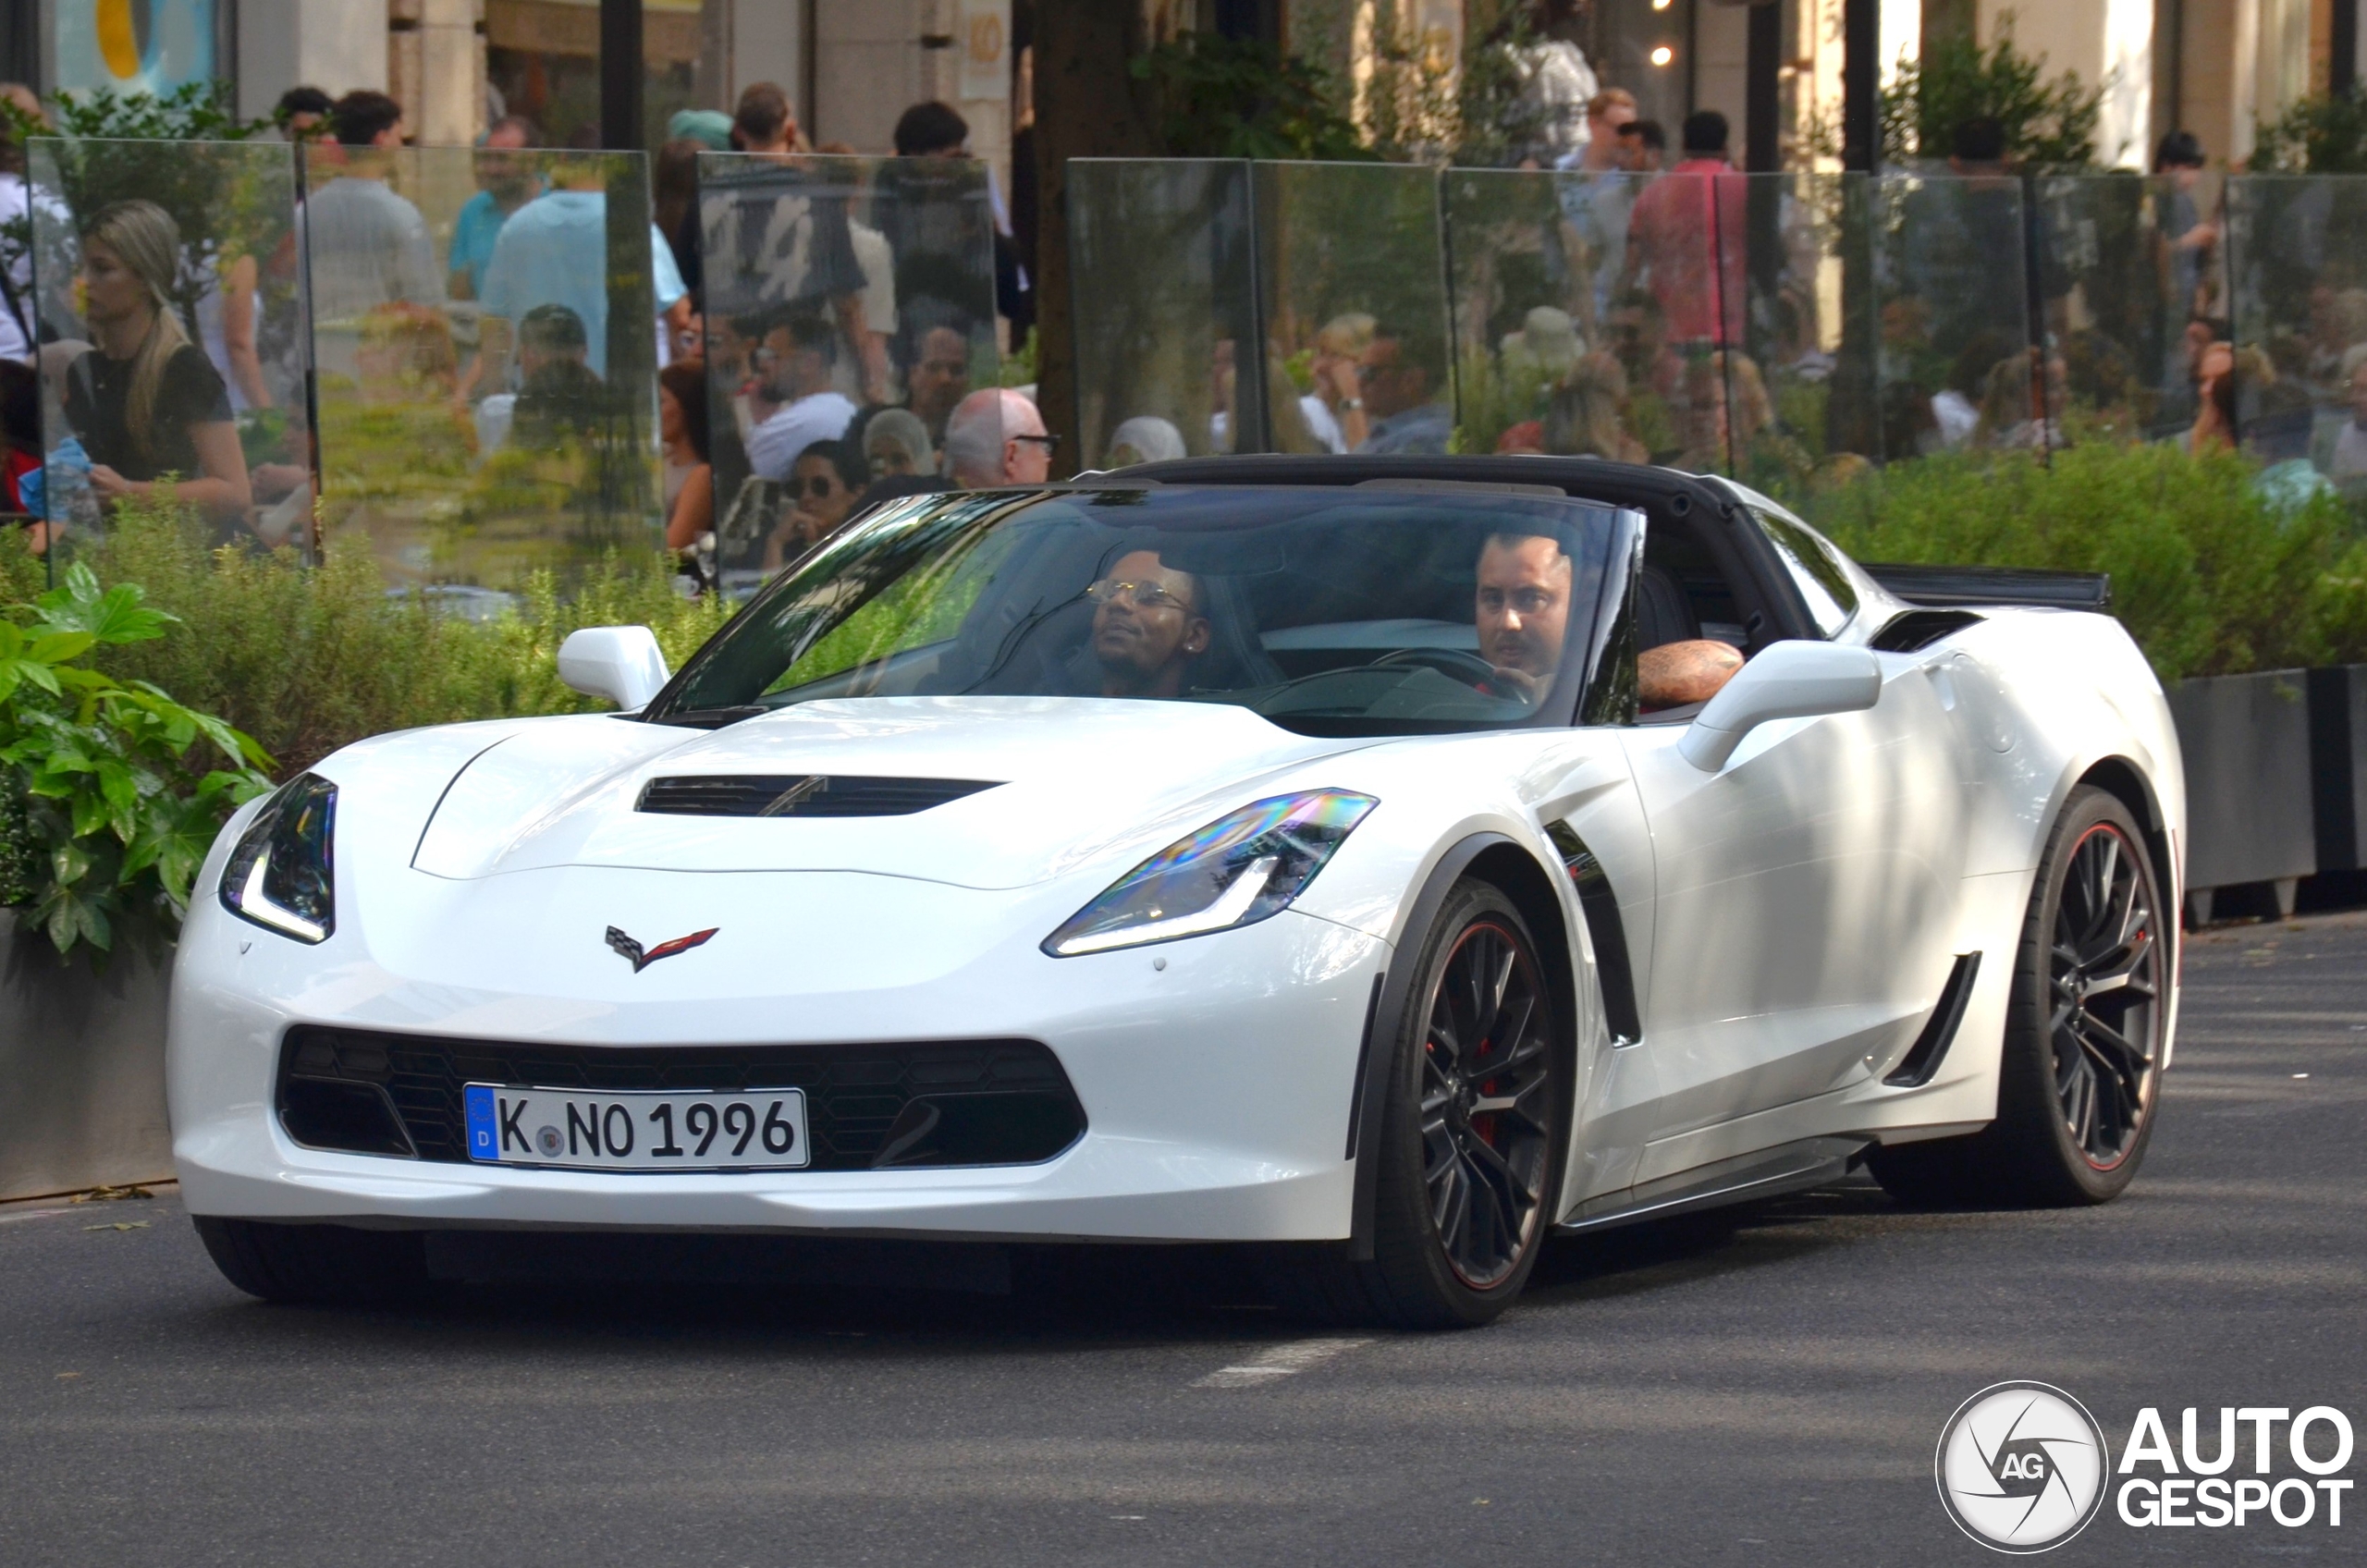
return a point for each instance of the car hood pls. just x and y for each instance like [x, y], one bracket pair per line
[1072, 777]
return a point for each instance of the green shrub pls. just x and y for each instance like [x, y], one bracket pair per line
[110, 792]
[2209, 577]
[309, 659]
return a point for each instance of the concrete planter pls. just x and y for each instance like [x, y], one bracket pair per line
[2339, 765]
[2250, 811]
[81, 1068]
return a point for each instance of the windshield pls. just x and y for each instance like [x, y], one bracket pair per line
[1328, 611]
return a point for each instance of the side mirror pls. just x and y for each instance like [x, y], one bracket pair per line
[1797, 680]
[620, 663]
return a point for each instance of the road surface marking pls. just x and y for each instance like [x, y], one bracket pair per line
[1282, 1361]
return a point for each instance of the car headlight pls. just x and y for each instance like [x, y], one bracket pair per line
[1236, 871]
[279, 875]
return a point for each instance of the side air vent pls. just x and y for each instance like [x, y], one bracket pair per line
[1911, 630]
[1922, 1059]
[802, 794]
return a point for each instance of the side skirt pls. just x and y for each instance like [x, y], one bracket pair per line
[1766, 1173]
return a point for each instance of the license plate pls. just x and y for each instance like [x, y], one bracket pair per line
[747, 1129]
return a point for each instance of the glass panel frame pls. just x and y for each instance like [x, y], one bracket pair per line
[834, 289]
[209, 226]
[485, 413]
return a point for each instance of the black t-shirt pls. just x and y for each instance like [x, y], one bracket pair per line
[190, 393]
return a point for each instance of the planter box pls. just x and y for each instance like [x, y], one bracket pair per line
[81, 1068]
[2250, 811]
[2339, 765]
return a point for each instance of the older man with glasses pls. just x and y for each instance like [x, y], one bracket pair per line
[997, 437]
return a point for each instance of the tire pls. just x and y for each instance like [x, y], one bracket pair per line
[1468, 1159]
[2079, 1077]
[316, 1265]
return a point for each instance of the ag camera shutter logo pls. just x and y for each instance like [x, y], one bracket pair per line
[2021, 1467]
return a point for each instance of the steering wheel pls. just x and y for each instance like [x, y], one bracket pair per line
[1469, 669]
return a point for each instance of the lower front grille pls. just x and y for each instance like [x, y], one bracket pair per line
[868, 1107]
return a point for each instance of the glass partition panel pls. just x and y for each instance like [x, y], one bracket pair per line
[1161, 258]
[486, 337]
[167, 303]
[2120, 265]
[1797, 404]
[2297, 259]
[847, 301]
[1554, 352]
[1951, 273]
[1352, 288]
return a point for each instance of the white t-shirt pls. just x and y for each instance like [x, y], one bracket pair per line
[15, 202]
[774, 444]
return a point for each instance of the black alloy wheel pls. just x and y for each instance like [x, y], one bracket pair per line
[2078, 1073]
[1467, 1153]
[2105, 970]
[1486, 1126]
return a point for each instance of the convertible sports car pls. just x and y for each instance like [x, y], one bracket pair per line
[1384, 861]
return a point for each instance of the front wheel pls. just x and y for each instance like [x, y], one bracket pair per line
[2081, 1074]
[1471, 1136]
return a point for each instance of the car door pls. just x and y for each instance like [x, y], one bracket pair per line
[1803, 902]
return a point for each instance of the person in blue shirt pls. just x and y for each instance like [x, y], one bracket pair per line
[509, 182]
[555, 251]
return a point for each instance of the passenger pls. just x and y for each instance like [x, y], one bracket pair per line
[1148, 627]
[1524, 616]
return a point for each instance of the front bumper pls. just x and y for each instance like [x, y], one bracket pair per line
[1215, 1073]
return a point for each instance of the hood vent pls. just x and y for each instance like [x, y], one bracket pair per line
[802, 794]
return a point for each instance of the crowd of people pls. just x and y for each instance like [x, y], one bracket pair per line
[820, 321]
[817, 319]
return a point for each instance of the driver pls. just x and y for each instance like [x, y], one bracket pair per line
[1149, 623]
[1524, 615]
[1524, 609]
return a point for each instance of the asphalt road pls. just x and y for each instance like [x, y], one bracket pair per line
[1767, 1388]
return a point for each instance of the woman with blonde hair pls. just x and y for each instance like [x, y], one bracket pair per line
[1584, 416]
[146, 402]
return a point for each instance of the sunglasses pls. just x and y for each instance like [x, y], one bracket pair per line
[816, 486]
[1049, 443]
[1142, 596]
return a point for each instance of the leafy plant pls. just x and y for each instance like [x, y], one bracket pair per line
[1219, 97]
[196, 111]
[2048, 124]
[2322, 134]
[309, 659]
[113, 798]
[2209, 575]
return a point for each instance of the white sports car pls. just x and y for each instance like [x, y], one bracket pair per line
[1388, 861]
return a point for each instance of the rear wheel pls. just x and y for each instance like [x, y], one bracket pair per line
[319, 1265]
[2081, 1072]
[1471, 1136]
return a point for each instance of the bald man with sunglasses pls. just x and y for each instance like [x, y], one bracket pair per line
[1149, 623]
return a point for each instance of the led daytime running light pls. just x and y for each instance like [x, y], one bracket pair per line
[1240, 869]
[280, 876]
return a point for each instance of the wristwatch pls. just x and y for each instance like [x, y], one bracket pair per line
[1351, 405]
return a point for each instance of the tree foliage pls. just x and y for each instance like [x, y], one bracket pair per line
[1218, 97]
[2325, 134]
[2048, 124]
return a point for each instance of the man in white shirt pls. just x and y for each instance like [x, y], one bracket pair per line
[795, 362]
[369, 247]
[18, 326]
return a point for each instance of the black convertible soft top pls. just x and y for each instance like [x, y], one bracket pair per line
[1666, 494]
